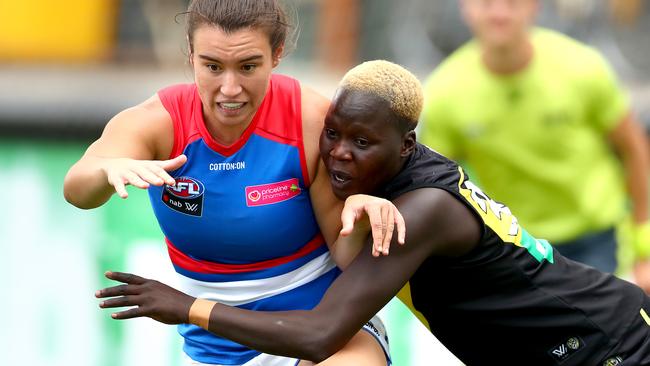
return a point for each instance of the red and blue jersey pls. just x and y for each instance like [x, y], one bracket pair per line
[239, 224]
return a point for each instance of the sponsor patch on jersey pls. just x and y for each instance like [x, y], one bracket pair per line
[270, 193]
[566, 349]
[185, 197]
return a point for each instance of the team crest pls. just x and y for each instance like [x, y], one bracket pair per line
[613, 361]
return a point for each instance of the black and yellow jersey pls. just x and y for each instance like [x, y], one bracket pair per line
[513, 299]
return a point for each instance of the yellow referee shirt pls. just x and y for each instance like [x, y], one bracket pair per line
[536, 140]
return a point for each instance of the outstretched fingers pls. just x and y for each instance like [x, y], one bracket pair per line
[129, 314]
[384, 219]
[124, 295]
[162, 167]
[141, 173]
[173, 164]
[119, 302]
[377, 226]
[121, 290]
[390, 228]
[401, 226]
[383, 216]
[125, 277]
[119, 185]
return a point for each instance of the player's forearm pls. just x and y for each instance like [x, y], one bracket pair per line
[346, 248]
[298, 334]
[636, 161]
[637, 185]
[86, 186]
[630, 142]
[312, 335]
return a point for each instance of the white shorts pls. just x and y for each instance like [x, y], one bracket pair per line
[375, 327]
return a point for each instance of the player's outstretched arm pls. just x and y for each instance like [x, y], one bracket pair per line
[438, 225]
[126, 153]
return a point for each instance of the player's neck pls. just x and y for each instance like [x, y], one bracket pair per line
[508, 60]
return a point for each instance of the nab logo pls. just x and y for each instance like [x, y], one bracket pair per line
[187, 188]
[185, 197]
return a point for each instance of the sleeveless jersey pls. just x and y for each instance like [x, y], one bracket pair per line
[239, 224]
[512, 299]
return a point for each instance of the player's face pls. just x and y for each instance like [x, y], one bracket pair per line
[499, 23]
[232, 72]
[361, 144]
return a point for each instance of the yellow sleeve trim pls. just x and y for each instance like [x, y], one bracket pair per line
[645, 316]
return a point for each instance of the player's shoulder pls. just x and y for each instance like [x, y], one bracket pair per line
[431, 209]
[151, 110]
[148, 122]
[580, 59]
[313, 111]
[314, 108]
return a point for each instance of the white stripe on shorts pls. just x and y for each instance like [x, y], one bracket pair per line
[261, 360]
[236, 293]
[375, 327]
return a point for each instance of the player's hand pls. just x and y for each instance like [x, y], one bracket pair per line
[139, 173]
[383, 216]
[147, 298]
[642, 275]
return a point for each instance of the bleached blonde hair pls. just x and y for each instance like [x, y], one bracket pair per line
[390, 82]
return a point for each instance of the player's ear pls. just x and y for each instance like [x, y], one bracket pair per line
[190, 52]
[408, 143]
[277, 55]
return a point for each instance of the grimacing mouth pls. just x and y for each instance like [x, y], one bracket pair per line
[339, 176]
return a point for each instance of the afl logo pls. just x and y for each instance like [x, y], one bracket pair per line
[186, 188]
[254, 195]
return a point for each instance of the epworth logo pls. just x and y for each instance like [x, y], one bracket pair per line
[185, 197]
[267, 194]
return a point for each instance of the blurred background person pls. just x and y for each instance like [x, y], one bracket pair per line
[544, 125]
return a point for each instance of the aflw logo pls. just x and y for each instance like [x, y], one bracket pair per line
[565, 349]
[560, 351]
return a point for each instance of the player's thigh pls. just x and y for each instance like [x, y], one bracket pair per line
[362, 350]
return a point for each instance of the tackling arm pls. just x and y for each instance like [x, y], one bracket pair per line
[364, 287]
[358, 293]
